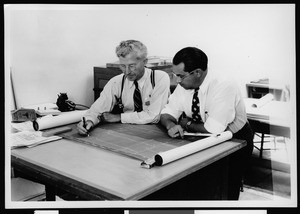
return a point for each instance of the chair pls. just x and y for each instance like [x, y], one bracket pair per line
[263, 137]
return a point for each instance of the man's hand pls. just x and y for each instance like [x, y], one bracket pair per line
[176, 131]
[110, 118]
[183, 122]
[84, 130]
[170, 123]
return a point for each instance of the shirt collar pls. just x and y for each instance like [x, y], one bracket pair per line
[205, 83]
[141, 81]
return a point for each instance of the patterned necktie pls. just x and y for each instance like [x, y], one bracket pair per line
[196, 107]
[138, 105]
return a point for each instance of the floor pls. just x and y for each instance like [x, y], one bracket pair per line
[269, 176]
[267, 179]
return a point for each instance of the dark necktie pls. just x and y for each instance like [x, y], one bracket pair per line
[138, 105]
[196, 107]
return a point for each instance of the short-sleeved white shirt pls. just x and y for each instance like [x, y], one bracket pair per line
[221, 105]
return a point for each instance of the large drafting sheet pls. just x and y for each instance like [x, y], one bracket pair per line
[138, 141]
[148, 143]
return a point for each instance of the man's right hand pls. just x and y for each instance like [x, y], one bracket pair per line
[82, 130]
[176, 131]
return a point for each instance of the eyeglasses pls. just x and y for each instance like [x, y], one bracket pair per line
[182, 77]
[131, 67]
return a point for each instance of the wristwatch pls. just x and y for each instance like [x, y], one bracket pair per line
[187, 125]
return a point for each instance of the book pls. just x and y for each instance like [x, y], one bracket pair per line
[154, 62]
[30, 139]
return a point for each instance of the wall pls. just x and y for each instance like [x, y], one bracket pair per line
[52, 49]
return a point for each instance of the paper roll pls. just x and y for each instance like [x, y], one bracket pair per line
[63, 119]
[263, 100]
[182, 151]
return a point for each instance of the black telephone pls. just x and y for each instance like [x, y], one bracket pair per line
[64, 104]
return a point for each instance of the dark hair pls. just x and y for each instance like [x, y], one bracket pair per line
[192, 58]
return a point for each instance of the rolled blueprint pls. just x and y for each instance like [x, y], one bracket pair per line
[64, 118]
[163, 158]
[263, 100]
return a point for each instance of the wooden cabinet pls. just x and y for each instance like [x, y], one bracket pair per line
[101, 77]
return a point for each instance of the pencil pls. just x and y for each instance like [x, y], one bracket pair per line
[84, 122]
[84, 125]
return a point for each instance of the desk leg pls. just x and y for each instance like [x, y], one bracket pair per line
[225, 168]
[50, 193]
[261, 145]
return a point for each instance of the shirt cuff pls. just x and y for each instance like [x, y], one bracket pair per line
[94, 120]
[125, 117]
[213, 126]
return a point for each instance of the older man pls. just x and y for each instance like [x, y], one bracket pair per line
[137, 96]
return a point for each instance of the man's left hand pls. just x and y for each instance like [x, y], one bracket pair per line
[176, 131]
[183, 122]
[111, 118]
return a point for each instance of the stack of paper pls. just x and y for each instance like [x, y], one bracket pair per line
[30, 139]
[24, 126]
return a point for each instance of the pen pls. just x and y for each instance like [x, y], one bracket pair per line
[206, 115]
[84, 125]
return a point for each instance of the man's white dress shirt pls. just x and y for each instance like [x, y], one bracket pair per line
[221, 105]
[153, 99]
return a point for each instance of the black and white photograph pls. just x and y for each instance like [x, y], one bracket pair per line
[150, 105]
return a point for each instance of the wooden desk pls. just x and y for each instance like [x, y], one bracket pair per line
[96, 174]
[275, 115]
[272, 118]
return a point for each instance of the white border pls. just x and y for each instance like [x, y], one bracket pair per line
[111, 204]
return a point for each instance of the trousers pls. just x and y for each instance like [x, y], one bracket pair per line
[239, 162]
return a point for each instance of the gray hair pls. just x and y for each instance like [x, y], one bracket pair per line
[131, 46]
